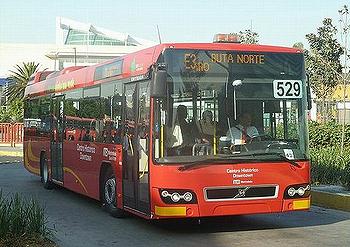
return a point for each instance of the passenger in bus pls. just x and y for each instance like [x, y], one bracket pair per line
[87, 136]
[207, 127]
[183, 133]
[244, 131]
[116, 136]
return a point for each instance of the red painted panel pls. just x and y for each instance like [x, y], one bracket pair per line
[224, 175]
[82, 163]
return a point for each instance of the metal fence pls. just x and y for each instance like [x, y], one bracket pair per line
[11, 133]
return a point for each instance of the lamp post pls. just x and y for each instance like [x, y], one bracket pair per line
[344, 12]
[75, 56]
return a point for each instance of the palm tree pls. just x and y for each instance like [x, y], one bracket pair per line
[19, 78]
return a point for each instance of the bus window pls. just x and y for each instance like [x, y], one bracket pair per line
[45, 119]
[32, 117]
[111, 98]
[90, 113]
[71, 108]
[143, 126]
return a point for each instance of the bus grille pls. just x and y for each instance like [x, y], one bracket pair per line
[239, 193]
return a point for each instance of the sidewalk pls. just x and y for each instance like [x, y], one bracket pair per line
[331, 196]
[11, 151]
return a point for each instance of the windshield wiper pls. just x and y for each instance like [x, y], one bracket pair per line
[279, 155]
[215, 160]
[236, 159]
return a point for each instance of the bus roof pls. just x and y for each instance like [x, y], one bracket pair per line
[134, 66]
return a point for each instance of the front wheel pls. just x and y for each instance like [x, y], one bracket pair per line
[44, 172]
[110, 195]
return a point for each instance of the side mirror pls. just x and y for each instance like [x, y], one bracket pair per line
[159, 86]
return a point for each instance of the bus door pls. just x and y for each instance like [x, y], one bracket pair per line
[135, 145]
[57, 138]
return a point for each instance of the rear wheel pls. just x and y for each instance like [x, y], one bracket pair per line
[109, 194]
[44, 172]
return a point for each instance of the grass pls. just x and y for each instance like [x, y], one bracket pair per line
[26, 241]
[22, 222]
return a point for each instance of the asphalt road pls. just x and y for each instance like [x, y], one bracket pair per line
[79, 221]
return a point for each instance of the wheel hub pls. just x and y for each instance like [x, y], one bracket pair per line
[110, 190]
[45, 172]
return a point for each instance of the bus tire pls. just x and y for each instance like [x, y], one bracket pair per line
[44, 172]
[109, 194]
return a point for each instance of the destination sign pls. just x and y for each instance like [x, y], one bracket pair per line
[194, 62]
[63, 85]
[108, 70]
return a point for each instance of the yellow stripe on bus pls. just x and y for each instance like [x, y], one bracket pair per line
[28, 166]
[31, 156]
[68, 170]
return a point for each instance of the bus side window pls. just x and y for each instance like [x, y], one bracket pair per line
[31, 117]
[90, 111]
[109, 125]
[71, 109]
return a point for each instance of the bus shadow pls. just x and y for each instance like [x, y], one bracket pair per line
[315, 217]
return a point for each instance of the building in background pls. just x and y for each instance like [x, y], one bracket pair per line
[76, 44]
[337, 103]
[85, 44]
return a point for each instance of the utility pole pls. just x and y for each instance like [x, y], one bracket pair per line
[75, 56]
[344, 12]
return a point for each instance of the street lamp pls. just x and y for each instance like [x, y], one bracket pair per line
[75, 56]
[344, 12]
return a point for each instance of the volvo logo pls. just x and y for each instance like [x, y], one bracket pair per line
[241, 192]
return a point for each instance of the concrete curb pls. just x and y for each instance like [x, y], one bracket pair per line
[331, 200]
[11, 153]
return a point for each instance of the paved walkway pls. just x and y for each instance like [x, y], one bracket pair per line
[11, 151]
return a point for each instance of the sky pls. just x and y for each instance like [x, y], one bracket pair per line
[278, 22]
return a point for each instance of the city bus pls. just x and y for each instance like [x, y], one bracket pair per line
[159, 133]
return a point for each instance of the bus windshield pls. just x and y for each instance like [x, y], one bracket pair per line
[226, 104]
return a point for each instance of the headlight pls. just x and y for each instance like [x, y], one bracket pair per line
[179, 196]
[175, 197]
[291, 192]
[301, 191]
[297, 191]
[165, 193]
[188, 196]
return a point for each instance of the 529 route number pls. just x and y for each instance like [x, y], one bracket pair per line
[287, 89]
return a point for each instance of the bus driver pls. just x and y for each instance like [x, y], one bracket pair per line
[243, 132]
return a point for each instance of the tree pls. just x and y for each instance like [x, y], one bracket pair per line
[13, 112]
[19, 78]
[299, 45]
[248, 37]
[323, 62]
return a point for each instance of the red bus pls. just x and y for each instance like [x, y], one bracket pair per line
[176, 130]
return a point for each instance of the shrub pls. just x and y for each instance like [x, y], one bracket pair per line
[327, 134]
[19, 216]
[329, 167]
